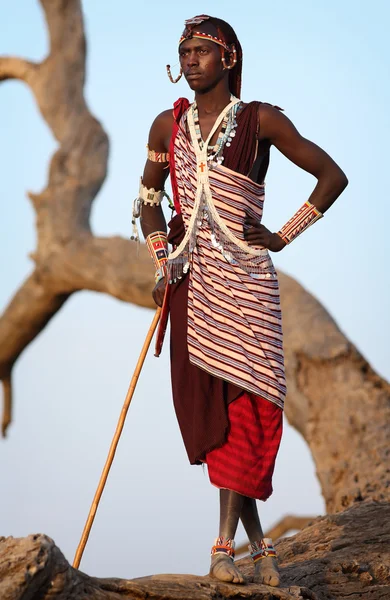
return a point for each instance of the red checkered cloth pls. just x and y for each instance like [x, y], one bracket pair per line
[245, 463]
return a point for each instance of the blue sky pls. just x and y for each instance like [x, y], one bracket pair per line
[327, 65]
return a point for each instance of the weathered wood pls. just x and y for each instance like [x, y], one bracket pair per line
[68, 257]
[281, 528]
[341, 556]
[336, 401]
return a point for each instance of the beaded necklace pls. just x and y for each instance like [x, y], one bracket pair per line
[225, 135]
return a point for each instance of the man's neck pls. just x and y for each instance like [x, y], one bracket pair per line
[213, 101]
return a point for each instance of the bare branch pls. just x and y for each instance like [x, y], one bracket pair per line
[337, 402]
[7, 403]
[16, 68]
[29, 311]
[286, 524]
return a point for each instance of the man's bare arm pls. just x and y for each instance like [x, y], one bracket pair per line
[281, 132]
[331, 180]
[155, 174]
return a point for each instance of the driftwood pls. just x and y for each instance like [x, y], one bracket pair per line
[336, 401]
[345, 556]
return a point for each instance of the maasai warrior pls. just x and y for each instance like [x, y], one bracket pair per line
[219, 283]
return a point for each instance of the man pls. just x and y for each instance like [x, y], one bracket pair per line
[219, 282]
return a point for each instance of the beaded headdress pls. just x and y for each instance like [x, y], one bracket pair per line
[189, 32]
[226, 38]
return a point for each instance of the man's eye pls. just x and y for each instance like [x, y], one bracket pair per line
[203, 51]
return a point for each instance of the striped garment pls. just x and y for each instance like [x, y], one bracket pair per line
[234, 317]
[246, 462]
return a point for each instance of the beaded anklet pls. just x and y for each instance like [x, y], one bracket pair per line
[223, 545]
[261, 549]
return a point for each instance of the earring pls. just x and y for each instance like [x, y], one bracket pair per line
[170, 74]
[234, 51]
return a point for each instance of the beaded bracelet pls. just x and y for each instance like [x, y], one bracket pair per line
[299, 222]
[157, 243]
[261, 549]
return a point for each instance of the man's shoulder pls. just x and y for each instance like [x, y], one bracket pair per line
[264, 109]
[269, 115]
[164, 117]
[268, 108]
[162, 124]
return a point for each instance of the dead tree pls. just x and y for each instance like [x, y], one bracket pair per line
[336, 401]
[68, 256]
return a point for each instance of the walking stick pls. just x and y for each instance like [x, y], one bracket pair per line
[114, 443]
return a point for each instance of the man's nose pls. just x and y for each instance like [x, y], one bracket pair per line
[193, 59]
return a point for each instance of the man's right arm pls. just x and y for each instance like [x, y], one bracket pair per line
[153, 178]
[156, 173]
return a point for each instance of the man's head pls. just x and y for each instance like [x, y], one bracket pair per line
[209, 51]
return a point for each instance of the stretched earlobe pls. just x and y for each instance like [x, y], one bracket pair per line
[233, 62]
[170, 74]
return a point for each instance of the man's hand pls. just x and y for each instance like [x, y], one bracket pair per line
[159, 291]
[256, 234]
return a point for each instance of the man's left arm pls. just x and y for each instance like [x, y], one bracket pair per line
[331, 180]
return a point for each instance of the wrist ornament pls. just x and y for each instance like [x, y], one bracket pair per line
[299, 222]
[157, 243]
[160, 274]
[148, 196]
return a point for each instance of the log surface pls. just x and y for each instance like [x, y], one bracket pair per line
[340, 556]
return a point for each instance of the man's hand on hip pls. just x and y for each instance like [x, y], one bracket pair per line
[256, 234]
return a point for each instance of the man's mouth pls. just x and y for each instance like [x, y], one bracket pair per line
[193, 75]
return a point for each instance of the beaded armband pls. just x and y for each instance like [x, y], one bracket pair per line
[223, 546]
[148, 196]
[261, 549]
[157, 243]
[159, 157]
[303, 218]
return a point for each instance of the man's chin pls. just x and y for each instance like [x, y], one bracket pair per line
[195, 84]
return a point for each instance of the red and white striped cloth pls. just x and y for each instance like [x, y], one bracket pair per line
[245, 463]
[234, 317]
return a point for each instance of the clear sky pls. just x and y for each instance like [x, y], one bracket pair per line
[327, 65]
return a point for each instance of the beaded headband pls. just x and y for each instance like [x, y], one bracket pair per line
[205, 36]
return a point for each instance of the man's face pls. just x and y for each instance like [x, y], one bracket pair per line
[201, 63]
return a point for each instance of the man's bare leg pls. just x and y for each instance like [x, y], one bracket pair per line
[222, 566]
[266, 569]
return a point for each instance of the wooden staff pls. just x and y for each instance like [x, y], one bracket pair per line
[114, 443]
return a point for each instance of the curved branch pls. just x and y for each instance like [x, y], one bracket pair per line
[286, 524]
[16, 68]
[27, 314]
[336, 401]
[7, 404]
